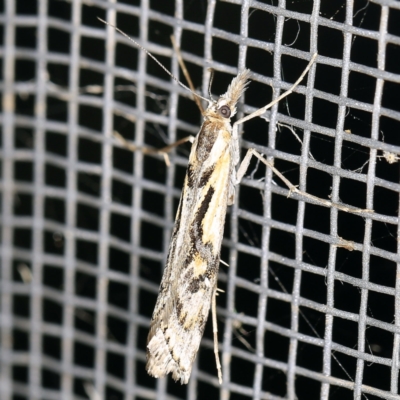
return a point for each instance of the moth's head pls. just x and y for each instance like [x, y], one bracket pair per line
[225, 106]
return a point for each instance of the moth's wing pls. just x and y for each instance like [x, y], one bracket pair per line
[190, 275]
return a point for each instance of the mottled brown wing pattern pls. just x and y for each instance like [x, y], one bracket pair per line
[190, 276]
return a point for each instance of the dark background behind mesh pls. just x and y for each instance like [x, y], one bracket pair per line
[310, 308]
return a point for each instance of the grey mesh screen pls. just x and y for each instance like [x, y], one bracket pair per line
[311, 308]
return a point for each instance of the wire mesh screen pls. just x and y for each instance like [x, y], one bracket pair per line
[311, 304]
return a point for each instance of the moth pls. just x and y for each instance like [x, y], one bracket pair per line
[189, 283]
[190, 276]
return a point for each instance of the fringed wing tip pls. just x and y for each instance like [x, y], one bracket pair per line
[160, 361]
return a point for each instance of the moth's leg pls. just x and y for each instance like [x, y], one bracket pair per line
[215, 332]
[244, 165]
[148, 150]
[292, 188]
[252, 152]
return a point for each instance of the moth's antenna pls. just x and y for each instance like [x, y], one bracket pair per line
[155, 59]
[212, 73]
[186, 73]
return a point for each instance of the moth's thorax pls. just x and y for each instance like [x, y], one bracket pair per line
[217, 122]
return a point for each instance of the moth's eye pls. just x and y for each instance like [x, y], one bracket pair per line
[225, 111]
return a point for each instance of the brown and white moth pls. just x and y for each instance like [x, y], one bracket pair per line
[189, 283]
[190, 276]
